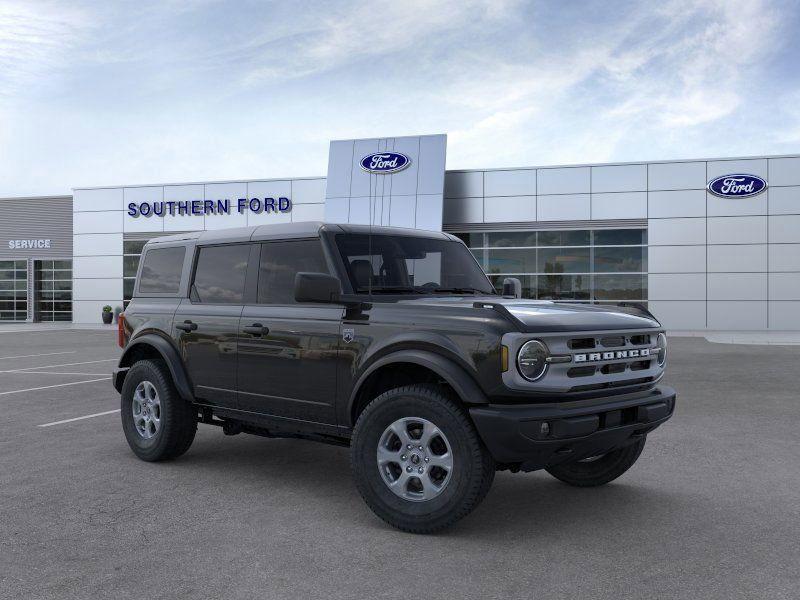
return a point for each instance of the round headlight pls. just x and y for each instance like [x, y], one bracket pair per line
[661, 349]
[531, 360]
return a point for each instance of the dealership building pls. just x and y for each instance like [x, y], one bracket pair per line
[708, 245]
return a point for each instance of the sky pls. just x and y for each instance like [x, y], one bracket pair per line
[110, 93]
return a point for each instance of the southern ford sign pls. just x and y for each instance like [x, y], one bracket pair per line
[737, 186]
[385, 163]
[171, 208]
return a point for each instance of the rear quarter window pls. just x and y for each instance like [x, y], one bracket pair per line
[161, 270]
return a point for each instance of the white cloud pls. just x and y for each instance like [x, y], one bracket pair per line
[361, 30]
[35, 38]
[95, 93]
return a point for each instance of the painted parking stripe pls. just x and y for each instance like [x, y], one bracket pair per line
[108, 412]
[61, 373]
[86, 362]
[35, 355]
[47, 387]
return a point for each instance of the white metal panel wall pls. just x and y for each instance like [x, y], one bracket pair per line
[100, 221]
[714, 263]
[412, 197]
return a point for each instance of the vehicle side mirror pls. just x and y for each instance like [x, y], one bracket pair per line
[512, 287]
[317, 287]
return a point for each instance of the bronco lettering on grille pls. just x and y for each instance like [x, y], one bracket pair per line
[600, 356]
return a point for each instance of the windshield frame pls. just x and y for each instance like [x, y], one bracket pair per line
[406, 291]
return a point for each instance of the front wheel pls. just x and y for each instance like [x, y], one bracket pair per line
[598, 470]
[418, 461]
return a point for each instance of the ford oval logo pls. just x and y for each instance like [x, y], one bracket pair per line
[737, 186]
[384, 163]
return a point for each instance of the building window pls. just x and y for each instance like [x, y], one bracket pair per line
[601, 265]
[13, 290]
[53, 290]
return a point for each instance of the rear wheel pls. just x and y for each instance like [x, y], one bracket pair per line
[598, 470]
[158, 423]
[418, 461]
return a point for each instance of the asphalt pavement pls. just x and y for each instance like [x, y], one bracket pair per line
[710, 510]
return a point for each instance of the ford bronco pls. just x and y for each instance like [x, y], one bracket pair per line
[392, 342]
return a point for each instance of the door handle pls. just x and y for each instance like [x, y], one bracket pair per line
[186, 326]
[256, 329]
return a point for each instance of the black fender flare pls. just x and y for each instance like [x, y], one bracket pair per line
[171, 357]
[455, 375]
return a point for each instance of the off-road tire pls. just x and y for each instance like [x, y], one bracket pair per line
[473, 466]
[600, 471]
[178, 417]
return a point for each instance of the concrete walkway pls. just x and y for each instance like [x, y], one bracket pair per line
[761, 338]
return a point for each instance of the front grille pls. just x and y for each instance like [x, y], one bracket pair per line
[581, 344]
[612, 384]
[606, 361]
[594, 361]
[612, 342]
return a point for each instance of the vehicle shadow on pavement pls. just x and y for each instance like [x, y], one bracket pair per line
[318, 477]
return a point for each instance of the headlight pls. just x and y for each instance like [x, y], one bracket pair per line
[661, 349]
[532, 360]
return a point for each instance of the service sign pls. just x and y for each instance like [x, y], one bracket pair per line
[737, 186]
[385, 163]
[28, 244]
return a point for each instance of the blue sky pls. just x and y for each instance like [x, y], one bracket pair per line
[95, 93]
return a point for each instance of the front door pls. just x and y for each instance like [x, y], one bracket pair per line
[288, 351]
[207, 324]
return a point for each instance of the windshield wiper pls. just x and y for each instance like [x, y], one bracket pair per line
[389, 289]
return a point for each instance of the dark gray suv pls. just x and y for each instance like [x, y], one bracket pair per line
[393, 342]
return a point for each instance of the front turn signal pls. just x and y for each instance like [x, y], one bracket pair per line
[504, 358]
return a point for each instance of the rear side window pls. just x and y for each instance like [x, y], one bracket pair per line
[220, 274]
[280, 262]
[161, 271]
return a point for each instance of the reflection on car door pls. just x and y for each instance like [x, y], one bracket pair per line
[207, 323]
[288, 351]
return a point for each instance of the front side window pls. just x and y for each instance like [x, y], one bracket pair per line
[220, 274]
[404, 264]
[280, 262]
[161, 271]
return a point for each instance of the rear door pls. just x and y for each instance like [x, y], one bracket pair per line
[207, 323]
[288, 351]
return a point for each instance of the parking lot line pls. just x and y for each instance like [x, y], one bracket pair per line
[47, 387]
[86, 362]
[35, 355]
[108, 412]
[59, 373]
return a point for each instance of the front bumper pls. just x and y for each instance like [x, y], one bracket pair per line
[535, 436]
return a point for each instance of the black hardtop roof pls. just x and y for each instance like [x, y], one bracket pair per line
[283, 231]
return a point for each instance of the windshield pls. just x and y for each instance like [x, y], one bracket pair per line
[394, 264]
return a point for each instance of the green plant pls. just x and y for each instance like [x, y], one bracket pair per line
[107, 308]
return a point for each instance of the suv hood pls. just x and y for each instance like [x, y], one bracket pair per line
[546, 316]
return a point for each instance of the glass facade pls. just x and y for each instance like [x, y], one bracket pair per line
[585, 265]
[53, 285]
[13, 290]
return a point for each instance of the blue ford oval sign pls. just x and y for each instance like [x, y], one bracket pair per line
[737, 186]
[384, 163]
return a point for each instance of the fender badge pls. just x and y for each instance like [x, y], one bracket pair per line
[348, 335]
